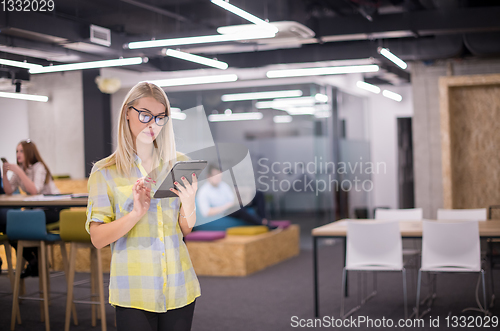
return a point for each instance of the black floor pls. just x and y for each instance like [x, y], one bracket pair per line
[278, 297]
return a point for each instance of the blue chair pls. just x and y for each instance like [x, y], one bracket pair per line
[28, 227]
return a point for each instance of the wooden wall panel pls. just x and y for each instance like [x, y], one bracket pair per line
[470, 115]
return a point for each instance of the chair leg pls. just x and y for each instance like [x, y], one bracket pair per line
[342, 299]
[405, 297]
[8, 255]
[45, 281]
[100, 284]
[92, 288]
[40, 286]
[16, 313]
[65, 262]
[484, 291]
[418, 293]
[71, 279]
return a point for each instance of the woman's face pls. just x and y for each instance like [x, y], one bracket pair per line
[145, 132]
[20, 154]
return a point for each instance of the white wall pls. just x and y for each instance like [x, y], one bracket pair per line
[13, 126]
[57, 125]
[383, 113]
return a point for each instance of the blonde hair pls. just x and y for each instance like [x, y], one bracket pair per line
[124, 156]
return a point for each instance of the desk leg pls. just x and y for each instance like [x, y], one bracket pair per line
[346, 292]
[315, 275]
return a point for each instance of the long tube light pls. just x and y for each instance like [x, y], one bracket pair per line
[243, 14]
[89, 65]
[176, 114]
[322, 71]
[21, 96]
[197, 59]
[290, 102]
[235, 117]
[196, 80]
[368, 87]
[261, 95]
[400, 63]
[392, 95]
[202, 39]
[18, 64]
[282, 119]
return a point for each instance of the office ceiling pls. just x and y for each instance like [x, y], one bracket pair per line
[338, 30]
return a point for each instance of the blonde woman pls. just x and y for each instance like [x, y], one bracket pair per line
[153, 285]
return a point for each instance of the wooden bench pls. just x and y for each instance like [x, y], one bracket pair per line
[242, 255]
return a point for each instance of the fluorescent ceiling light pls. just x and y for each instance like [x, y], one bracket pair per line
[197, 59]
[301, 110]
[368, 87]
[392, 95]
[282, 119]
[201, 39]
[261, 95]
[176, 114]
[290, 102]
[243, 14]
[322, 114]
[400, 63]
[18, 64]
[21, 96]
[235, 117]
[322, 71]
[89, 65]
[196, 80]
[321, 97]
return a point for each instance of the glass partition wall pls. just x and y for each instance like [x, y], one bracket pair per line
[296, 145]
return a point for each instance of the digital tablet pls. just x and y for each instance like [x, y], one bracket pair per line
[180, 168]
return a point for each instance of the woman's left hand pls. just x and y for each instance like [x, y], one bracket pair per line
[187, 193]
[12, 167]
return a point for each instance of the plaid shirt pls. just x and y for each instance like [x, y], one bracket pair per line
[150, 265]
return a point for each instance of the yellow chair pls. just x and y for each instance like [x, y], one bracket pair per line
[249, 230]
[72, 230]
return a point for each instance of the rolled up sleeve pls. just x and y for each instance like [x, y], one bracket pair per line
[100, 203]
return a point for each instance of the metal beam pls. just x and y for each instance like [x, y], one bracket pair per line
[52, 25]
[428, 22]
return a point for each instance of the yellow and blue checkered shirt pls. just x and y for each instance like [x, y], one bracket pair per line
[150, 266]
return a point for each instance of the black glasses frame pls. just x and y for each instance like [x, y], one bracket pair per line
[156, 118]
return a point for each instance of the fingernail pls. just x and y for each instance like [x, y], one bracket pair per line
[171, 189]
[194, 175]
[183, 177]
[176, 183]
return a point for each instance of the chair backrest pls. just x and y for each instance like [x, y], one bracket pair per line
[462, 214]
[399, 214]
[451, 244]
[72, 225]
[26, 224]
[374, 244]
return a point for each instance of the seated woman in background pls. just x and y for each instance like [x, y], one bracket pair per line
[33, 176]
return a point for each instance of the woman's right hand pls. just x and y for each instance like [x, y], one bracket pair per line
[142, 196]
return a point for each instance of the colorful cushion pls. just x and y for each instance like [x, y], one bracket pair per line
[280, 224]
[205, 235]
[250, 230]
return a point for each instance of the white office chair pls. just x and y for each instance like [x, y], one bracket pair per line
[462, 214]
[373, 246]
[450, 247]
[413, 214]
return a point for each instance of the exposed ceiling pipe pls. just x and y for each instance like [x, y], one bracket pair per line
[158, 10]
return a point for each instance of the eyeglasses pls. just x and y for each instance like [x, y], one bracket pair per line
[146, 117]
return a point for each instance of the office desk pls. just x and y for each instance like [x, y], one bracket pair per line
[409, 229]
[20, 201]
